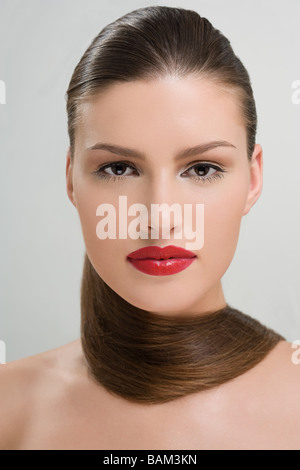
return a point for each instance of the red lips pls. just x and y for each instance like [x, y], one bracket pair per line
[159, 261]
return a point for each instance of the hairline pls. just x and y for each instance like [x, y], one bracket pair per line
[90, 95]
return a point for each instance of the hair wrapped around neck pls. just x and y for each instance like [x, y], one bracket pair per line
[151, 358]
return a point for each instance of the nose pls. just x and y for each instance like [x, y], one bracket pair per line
[164, 208]
[165, 220]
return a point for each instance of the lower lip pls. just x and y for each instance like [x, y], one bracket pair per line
[162, 267]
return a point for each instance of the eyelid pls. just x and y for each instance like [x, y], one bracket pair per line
[135, 167]
[116, 162]
[213, 164]
[218, 168]
[110, 164]
[218, 173]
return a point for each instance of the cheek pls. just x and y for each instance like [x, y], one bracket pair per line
[101, 252]
[222, 224]
[87, 202]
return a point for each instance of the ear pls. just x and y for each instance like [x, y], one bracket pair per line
[256, 178]
[69, 177]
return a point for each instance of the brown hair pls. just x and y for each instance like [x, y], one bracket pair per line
[155, 42]
[141, 356]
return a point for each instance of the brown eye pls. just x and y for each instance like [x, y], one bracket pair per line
[117, 169]
[205, 172]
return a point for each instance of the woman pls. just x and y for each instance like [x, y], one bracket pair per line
[160, 111]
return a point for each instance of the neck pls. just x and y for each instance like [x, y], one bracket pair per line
[154, 358]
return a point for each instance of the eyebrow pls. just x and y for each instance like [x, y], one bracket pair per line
[189, 152]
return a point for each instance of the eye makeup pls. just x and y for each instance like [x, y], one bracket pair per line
[201, 167]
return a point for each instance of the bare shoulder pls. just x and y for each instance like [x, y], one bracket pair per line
[275, 383]
[284, 376]
[278, 374]
[24, 383]
[283, 365]
[259, 409]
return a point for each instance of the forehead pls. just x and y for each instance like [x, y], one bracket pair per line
[163, 112]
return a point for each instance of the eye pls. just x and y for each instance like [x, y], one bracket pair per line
[115, 171]
[205, 171]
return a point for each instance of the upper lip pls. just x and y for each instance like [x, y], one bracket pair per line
[157, 252]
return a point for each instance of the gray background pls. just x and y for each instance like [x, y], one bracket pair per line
[41, 246]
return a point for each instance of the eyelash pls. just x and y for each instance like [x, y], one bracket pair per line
[203, 179]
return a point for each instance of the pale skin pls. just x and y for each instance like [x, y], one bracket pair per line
[48, 401]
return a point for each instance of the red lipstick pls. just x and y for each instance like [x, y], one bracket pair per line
[159, 261]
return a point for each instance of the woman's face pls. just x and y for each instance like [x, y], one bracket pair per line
[177, 142]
